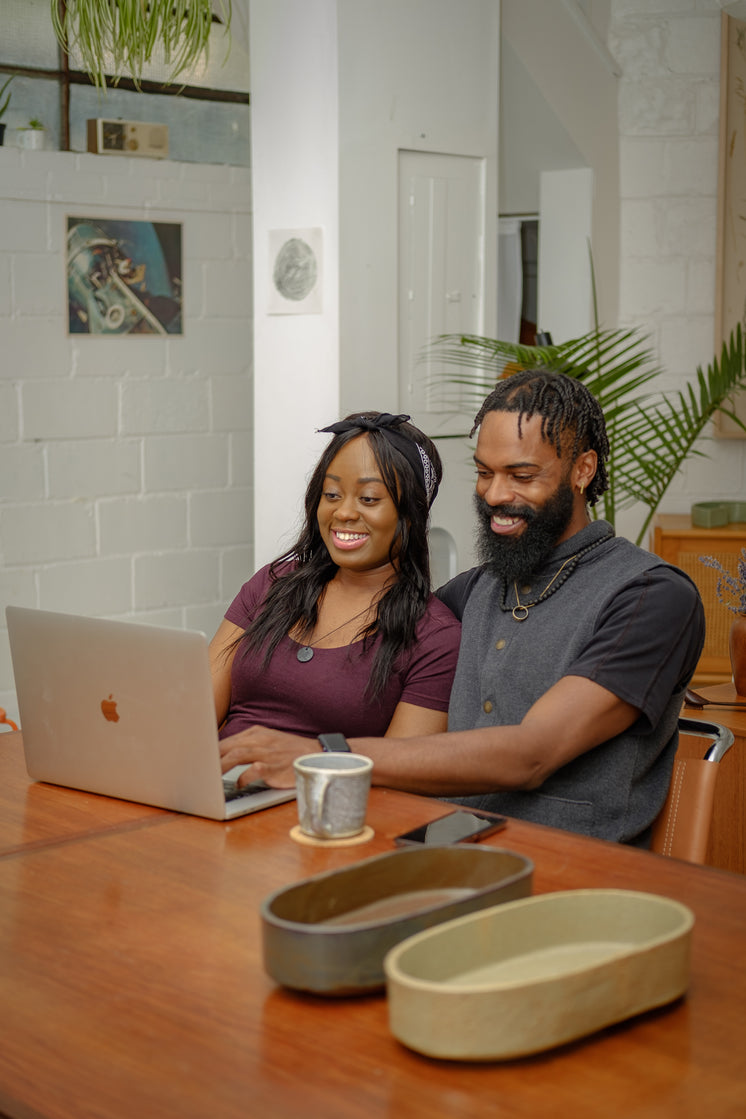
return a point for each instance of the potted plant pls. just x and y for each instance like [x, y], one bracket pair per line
[119, 37]
[32, 135]
[731, 592]
[4, 103]
[649, 438]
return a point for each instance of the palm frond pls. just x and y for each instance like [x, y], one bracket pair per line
[650, 436]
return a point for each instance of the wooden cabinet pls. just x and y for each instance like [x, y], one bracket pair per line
[674, 538]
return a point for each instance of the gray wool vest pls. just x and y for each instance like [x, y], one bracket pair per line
[615, 790]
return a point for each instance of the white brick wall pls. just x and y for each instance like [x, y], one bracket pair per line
[669, 51]
[125, 464]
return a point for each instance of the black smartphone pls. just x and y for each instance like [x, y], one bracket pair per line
[460, 826]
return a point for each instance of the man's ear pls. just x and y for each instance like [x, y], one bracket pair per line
[584, 470]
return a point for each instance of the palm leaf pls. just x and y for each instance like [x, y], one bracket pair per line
[648, 443]
[654, 442]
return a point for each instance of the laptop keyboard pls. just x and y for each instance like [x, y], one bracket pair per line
[233, 792]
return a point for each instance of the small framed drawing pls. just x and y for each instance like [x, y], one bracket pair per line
[123, 277]
[295, 261]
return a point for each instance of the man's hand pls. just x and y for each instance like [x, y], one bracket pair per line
[270, 753]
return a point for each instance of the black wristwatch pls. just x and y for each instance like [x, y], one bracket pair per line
[334, 743]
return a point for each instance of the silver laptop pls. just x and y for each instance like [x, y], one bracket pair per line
[126, 710]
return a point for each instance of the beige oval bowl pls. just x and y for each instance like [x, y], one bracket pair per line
[329, 934]
[536, 973]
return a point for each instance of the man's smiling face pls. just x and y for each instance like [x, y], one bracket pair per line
[525, 499]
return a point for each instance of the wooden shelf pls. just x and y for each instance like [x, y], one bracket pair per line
[675, 539]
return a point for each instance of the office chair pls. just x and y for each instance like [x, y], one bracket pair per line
[682, 827]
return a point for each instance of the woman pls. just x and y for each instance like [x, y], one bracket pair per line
[341, 633]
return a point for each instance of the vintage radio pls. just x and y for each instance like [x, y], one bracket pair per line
[128, 137]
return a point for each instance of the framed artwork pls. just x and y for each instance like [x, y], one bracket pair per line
[295, 260]
[730, 295]
[124, 277]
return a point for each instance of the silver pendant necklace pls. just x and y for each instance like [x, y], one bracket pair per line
[305, 653]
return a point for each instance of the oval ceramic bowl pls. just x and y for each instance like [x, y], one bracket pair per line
[536, 973]
[329, 934]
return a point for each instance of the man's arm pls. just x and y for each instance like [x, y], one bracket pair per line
[571, 718]
[568, 720]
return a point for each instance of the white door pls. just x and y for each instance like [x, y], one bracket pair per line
[441, 291]
[441, 265]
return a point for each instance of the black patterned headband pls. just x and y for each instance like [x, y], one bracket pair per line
[386, 424]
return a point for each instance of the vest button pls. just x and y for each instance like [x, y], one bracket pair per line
[501, 643]
[487, 706]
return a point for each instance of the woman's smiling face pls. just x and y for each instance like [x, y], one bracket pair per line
[356, 514]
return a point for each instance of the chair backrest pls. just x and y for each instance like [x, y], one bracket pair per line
[4, 719]
[682, 828]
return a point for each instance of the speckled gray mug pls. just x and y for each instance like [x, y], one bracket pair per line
[332, 794]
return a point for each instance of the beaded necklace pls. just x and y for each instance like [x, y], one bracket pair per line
[521, 609]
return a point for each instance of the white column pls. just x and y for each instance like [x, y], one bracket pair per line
[293, 45]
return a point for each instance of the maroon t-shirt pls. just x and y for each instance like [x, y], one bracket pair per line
[327, 693]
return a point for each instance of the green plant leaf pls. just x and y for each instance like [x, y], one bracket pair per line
[650, 436]
[4, 104]
[117, 37]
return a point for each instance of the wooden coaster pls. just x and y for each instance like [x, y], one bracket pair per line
[349, 840]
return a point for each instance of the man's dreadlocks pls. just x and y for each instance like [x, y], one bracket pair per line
[571, 417]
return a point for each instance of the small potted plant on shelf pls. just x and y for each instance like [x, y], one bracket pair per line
[4, 102]
[731, 591]
[32, 135]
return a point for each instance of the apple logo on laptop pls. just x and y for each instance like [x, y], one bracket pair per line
[109, 709]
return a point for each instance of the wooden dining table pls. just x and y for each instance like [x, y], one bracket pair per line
[132, 984]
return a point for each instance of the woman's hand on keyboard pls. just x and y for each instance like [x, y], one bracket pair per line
[269, 753]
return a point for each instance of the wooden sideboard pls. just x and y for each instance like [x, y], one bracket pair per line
[727, 846]
[674, 538]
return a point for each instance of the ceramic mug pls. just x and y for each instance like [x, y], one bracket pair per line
[332, 794]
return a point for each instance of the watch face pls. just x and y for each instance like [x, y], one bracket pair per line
[334, 743]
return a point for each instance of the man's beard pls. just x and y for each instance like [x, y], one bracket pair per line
[520, 557]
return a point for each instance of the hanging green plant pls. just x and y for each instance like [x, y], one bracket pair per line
[5, 97]
[119, 36]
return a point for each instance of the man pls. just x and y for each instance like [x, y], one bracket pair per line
[576, 645]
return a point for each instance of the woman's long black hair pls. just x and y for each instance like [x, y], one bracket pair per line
[292, 600]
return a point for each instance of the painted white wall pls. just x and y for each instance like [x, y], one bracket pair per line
[293, 52]
[125, 463]
[650, 136]
[532, 138]
[415, 75]
[565, 297]
[559, 112]
[668, 161]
